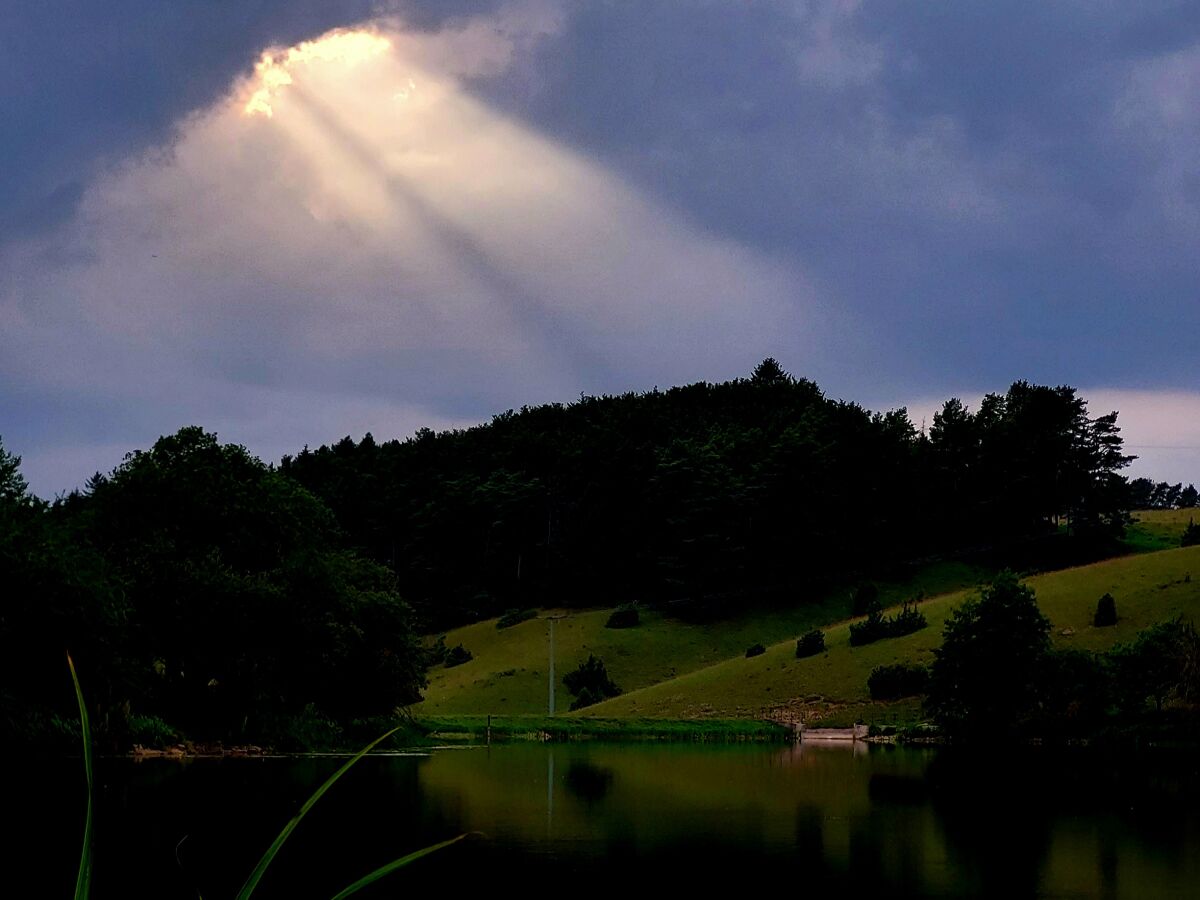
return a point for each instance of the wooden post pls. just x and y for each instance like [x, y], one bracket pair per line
[551, 667]
[489, 730]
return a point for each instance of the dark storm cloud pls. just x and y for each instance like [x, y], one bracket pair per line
[985, 186]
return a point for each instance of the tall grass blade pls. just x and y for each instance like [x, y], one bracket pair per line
[392, 867]
[83, 882]
[261, 868]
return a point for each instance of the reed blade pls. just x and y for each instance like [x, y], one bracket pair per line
[273, 850]
[395, 864]
[83, 882]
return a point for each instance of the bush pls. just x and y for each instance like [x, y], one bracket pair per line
[1191, 535]
[151, 731]
[456, 656]
[310, 730]
[513, 617]
[899, 680]
[908, 620]
[625, 616]
[1106, 612]
[810, 644]
[590, 683]
[755, 650]
[436, 654]
[876, 627]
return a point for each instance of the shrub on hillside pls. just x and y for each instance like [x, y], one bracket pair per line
[458, 655]
[896, 681]
[870, 630]
[625, 616]
[755, 650]
[875, 627]
[908, 620]
[1191, 535]
[1106, 612]
[436, 654]
[810, 644]
[590, 683]
[513, 617]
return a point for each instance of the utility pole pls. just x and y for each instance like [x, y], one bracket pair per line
[552, 620]
[551, 667]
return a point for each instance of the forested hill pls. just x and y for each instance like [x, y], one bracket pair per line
[710, 496]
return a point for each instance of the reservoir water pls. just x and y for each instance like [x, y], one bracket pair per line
[605, 819]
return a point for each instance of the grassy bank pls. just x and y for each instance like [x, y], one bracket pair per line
[473, 729]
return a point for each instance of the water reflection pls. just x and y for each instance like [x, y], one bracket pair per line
[906, 821]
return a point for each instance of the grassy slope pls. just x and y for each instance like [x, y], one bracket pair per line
[1159, 529]
[508, 674]
[1148, 588]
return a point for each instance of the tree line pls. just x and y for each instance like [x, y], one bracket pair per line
[1147, 494]
[706, 498]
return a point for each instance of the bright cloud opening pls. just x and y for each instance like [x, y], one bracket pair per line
[274, 70]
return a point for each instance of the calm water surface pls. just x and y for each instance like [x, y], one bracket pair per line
[600, 818]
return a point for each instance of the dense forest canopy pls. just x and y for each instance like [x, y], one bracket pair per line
[198, 587]
[204, 592]
[711, 496]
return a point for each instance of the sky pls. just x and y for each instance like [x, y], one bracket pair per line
[292, 221]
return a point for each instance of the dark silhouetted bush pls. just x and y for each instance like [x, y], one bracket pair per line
[436, 655]
[515, 617]
[810, 644]
[876, 627]
[899, 680]
[1106, 612]
[755, 650]
[456, 656]
[872, 629]
[908, 620]
[625, 616]
[1191, 535]
[590, 683]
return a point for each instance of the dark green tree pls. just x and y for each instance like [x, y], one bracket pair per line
[244, 605]
[986, 675]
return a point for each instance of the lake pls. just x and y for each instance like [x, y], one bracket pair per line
[594, 818]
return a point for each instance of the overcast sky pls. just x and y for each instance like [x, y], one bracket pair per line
[423, 214]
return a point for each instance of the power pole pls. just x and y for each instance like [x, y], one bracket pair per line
[552, 667]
